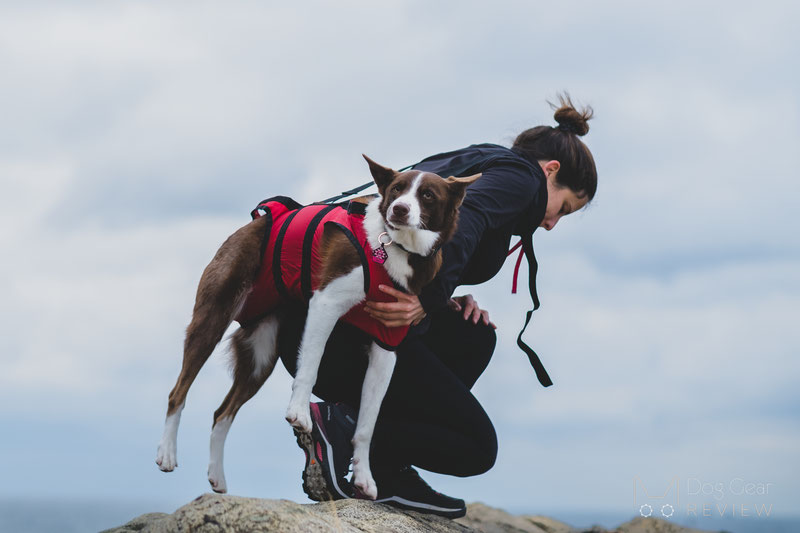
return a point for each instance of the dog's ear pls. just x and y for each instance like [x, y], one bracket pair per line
[383, 176]
[458, 186]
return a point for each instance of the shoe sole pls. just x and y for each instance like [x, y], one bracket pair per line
[318, 482]
[408, 505]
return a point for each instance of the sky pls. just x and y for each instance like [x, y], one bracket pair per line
[138, 135]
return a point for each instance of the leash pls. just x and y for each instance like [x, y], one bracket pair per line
[527, 249]
[356, 190]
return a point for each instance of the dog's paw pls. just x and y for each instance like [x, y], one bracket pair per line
[167, 457]
[216, 477]
[365, 486]
[299, 416]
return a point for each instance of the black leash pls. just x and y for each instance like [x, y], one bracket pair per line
[355, 190]
[533, 266]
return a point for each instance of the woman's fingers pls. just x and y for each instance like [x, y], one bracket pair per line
[405, 311]
[476, 314]
[468, 305]
[400, 295]
[389, 307]
[485, 318]
[471, 310]
[454, 305]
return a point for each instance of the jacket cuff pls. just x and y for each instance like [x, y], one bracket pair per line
[432, 300]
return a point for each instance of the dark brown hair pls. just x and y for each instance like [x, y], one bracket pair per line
[561, 143]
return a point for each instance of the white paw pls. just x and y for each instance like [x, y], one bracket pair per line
[167, 456]
[299, 416]
[217, 479]
[365, 484]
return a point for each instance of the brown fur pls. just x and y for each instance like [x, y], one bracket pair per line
[425, 269]
[224, 285]
[245, 383]
[337, 256]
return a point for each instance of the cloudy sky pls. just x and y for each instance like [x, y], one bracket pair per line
[138, 135]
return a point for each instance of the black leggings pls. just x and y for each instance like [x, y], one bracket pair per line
[429, 418]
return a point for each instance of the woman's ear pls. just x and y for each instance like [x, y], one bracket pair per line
[550, 167]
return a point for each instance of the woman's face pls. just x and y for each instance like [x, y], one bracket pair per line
[561, 201]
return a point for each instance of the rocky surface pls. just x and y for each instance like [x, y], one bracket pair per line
[217, 513]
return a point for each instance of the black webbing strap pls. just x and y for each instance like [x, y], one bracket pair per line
[361, 253]
[355, 190]
[277, 276]
[533, 266]
[308, 241]
[345, 194]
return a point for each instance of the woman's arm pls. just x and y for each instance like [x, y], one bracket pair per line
[407, 309]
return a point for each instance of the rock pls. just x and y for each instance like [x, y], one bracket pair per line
[653, 525]
[212, 513]
[487, 519]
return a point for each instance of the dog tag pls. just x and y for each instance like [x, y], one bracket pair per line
[379, 255]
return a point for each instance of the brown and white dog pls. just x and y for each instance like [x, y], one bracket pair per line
[418, 210]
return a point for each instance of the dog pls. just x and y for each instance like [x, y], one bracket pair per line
[404, 228]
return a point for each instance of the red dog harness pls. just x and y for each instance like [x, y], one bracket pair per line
[291, 263]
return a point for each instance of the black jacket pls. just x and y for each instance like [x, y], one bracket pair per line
[509, 199]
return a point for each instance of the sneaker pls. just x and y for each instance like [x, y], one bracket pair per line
[406, 490]
[328, 451]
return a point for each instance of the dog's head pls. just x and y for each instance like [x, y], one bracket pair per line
[420, 209]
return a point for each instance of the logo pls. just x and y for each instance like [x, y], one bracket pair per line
[663, 504]
[736, 498]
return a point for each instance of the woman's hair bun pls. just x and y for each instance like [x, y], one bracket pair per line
[569, 119]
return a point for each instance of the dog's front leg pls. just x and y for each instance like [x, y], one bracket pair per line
[324, 309]
[376, 381]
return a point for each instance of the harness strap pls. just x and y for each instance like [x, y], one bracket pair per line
[361, 254]
[308, 242]
[277, 275]
[533, 267]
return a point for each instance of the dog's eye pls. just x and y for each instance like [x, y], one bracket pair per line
[397, 188]
[427, 195]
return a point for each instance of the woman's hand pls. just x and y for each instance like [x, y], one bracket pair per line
[471, 310]
[406, 310]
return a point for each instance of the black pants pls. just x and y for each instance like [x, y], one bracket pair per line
[429, 418]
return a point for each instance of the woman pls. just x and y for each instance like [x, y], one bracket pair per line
[429, 418]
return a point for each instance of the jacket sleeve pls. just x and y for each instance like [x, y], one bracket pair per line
[501, 194]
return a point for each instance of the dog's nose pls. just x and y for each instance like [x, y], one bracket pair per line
[400, 210]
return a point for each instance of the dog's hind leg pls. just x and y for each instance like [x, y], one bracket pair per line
[376, 381]
[222, 291]
[254, 357]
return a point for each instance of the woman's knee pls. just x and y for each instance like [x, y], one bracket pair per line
[484, 340]
[483, 456]
[488, 457]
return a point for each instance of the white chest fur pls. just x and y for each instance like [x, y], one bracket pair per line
[397, 261]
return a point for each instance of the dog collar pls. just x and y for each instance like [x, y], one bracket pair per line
[379, 255]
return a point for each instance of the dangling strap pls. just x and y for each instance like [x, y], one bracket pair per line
[516, 266]
[533, 266]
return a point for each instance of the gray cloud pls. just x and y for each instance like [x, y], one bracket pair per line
[143, 135]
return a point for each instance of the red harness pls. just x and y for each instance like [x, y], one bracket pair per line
[291, 263]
